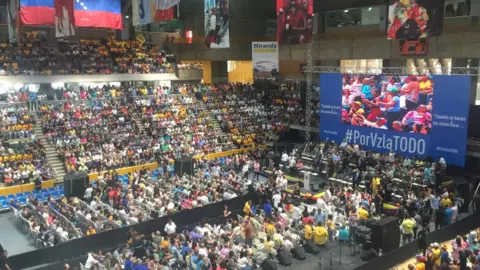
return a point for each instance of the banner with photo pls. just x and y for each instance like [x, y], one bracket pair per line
[415, 19]
[294, 21]
[64, 18]
[410, 115]
[217, 33]
[151, 11]
[265, 63]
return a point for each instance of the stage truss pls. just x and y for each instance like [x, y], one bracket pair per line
[398, 71]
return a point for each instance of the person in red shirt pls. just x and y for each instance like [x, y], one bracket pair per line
[296, 24]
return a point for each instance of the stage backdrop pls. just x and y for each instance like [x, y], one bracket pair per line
[265, 62]
[217, 33]
[422, 18]
[414, 116]
[150, 11]
[294, 21]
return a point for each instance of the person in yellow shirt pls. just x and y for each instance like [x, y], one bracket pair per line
[269, 228]
[246, 208]
[363, 214]
[165, 244]
[445, 202]
[408, 225]
[309, 231]
[321, 235]
[331, 228]
[375, 182]
[91, 231]
[420, 263]
[436, 255]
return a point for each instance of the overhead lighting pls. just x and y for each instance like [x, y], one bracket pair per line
[370, 9]
[126, 17]
[346, 11]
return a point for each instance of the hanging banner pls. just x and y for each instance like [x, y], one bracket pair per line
[64, 18]
[265, 63]
[217, 33]
[12, 9]
[414, 116]
[294, 21]
[414, 19]
[151, 11]
[88, 13]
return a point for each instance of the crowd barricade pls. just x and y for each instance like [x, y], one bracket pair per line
[126, 170]
[229, 153]
[112, 238]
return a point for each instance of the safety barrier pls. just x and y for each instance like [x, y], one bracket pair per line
[230, 152]
[121, 171]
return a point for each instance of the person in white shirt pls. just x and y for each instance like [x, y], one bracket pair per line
[284, 159]
[170, 227]
[321, 204]
[277, 197]
[328, 195]
[88, 193]
[296, 214]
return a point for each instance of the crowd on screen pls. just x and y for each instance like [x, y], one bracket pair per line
[88, 56]
[397, 103]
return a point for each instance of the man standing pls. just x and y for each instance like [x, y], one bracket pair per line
[170, 227]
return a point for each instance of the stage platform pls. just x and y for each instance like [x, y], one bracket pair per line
[317, 182]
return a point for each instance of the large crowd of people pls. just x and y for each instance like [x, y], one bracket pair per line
[402, 104]
[88, 56]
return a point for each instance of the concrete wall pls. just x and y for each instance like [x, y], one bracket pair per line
[190, 74]
[242, 72]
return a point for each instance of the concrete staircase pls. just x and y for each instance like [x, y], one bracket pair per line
[52, 157]
[212, 120]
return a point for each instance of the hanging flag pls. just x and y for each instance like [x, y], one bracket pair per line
[37, 12]
[98, 13]
[88, 13]
[64, 18]
[166, 4]
[150, 11]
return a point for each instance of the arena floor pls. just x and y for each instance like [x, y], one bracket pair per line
[12, 238]
[344, 262]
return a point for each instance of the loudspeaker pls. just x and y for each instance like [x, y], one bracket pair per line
[368, 255]
[464, 190]
[385, 234]
[284, 258]
[268, 264]
[299, 253]
[75, 184]
[311, 248]
[184, 166]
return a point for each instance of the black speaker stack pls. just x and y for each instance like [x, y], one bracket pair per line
[184, 166]
[75, 184]
[385, 234]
